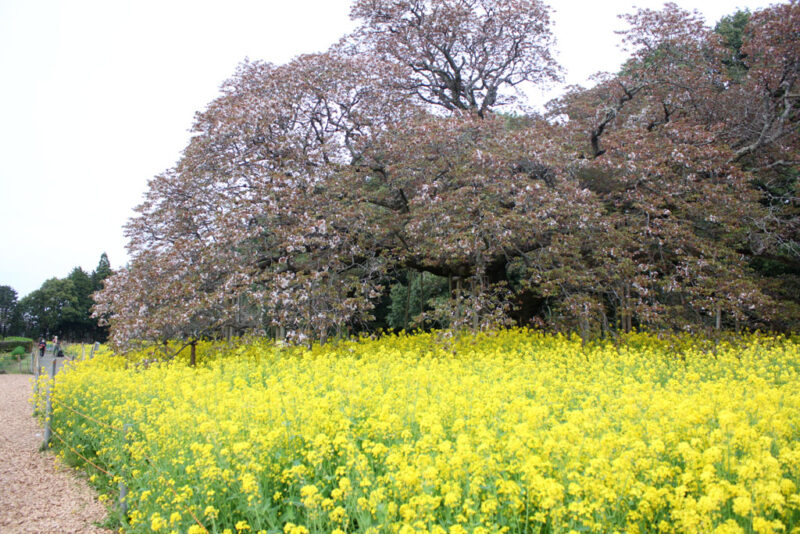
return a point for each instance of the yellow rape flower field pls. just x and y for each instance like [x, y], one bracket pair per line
[511, 431]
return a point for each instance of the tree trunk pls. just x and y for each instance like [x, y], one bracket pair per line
[408, 299]
[606, 328]
[238, 320]
[584, 322]
[623, 310]
[458, 303]
[476, 323]
[422, 295]
[193, 354]
[718, 322]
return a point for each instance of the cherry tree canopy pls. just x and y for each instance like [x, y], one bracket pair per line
[663, 196]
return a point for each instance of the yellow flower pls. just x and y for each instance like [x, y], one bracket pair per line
[729, 527]
[291, 528]
[764, 526]
[432, 429]
[157, 522]
[742, 506]
[338, 514]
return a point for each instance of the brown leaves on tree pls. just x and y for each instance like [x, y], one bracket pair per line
[459, 54]
[658, 197]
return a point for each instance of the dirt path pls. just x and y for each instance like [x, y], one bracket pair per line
[37, 493]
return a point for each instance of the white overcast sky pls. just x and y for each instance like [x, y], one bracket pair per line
[97, 96]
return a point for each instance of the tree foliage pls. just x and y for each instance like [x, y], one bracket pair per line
[63, 306]
[459, 54]
[8, 308]
[314, 195]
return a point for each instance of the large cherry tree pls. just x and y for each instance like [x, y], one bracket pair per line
[677, 146]
[663, 196]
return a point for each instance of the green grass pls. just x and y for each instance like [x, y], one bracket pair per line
[8, 363]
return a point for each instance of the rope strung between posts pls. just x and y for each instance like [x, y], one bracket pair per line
[152, 462]
[191, 513]
[89, 417]
[67, 445]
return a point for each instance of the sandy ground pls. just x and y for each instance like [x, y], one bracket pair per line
[38, 495]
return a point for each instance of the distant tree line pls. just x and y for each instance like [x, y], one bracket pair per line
[62, 307]
[390, 182]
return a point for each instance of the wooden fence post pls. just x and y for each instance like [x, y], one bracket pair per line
[48, 410]
[35, 373]
[123, 488]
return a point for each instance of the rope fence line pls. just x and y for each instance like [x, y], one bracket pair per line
[67, 445]
[190, 512]
[123, 488]
[89, 417]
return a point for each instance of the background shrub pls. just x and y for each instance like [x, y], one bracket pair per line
[10, 343]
